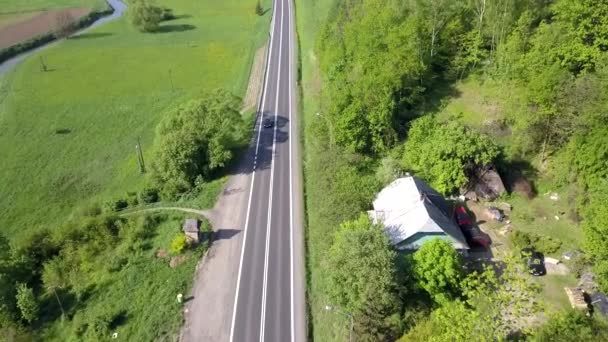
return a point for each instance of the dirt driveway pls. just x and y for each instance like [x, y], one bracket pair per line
[35, 25]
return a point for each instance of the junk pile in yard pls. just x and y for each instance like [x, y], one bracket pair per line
[484, 184]
[577, 298]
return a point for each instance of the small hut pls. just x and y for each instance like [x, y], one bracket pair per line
[191, 229]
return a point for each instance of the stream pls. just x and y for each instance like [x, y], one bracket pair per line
[119, 9]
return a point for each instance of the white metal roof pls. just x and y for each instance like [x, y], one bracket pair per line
[408, 206]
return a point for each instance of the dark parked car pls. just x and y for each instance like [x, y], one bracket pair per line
[471, 232]
[535, 261]
[268, 123]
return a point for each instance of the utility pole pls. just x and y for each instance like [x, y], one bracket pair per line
[171, 80]
[140, 157]
[42, 65]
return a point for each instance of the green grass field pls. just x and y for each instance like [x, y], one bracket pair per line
[12, 11]
[67, 136]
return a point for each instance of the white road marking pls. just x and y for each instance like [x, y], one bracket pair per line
[291, 265]
[257, 147]
[269, 220]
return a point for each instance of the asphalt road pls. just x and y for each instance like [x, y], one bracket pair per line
[269, 296]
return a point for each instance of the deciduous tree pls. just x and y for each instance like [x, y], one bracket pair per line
[196, 139]
[446, 153]
[145, 15]
[438, 269]
[362, 275]
[54, 277]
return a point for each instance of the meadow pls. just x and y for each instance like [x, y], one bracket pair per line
[68, 134]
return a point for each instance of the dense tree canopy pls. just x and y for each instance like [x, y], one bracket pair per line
[196, 139]
[445, 154]
[362, 280]
[595, 228]
[384, 63]
[371, 70]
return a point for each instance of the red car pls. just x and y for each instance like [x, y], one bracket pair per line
[471, 232]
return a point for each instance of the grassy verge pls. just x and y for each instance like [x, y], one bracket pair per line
[68, 135]
[319, 165]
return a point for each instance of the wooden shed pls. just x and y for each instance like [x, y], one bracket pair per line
[191, 229]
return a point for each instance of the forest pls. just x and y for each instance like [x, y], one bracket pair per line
[389, 72]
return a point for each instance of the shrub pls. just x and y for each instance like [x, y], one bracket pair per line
[116, 205]
[98, 328]
[179, 244]
[520, 239]
[145, 16]
[541, 243]
[149, 195]
[205, 225]
[27, 303]
[90, 210]
[132, 198]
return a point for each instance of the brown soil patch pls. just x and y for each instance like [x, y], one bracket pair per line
[256, 78]
[522, 186]
[36, 25]
[177, 260]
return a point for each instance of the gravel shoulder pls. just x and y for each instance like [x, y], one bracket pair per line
[209, 314]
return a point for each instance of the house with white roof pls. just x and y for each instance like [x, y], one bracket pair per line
[412, 213]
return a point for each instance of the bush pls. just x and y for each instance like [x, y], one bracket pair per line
[205, 225]
[145, 16]
[132, 199]
[520, 239]
[149, 195]
[90, 210]
[116, 205]
[541, 243]
[179, 244]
